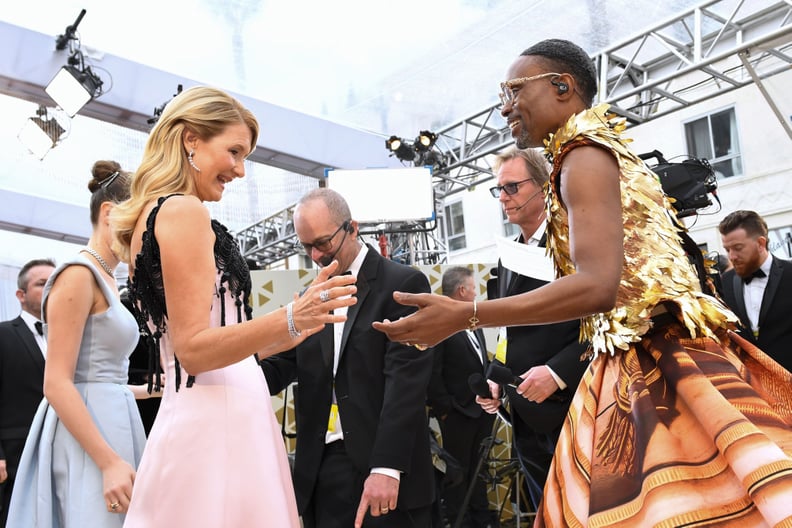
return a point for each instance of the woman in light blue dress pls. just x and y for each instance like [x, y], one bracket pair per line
[78, 465]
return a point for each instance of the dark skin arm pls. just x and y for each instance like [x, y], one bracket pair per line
[590, 190]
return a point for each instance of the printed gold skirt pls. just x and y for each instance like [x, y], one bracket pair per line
[676, 432]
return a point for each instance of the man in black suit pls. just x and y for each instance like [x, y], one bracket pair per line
[548, 355]
[462, 422]
[759, 287]
[362, 431]
[22, 350]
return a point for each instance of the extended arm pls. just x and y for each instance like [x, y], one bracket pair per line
[183, 231]
[590, 191]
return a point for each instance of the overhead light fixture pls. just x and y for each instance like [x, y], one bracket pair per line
[425, 140]
[161, 108]
[72, 88]
[403, 150]
[433, 159]
[393, 143]
[41, 133]
[74, 84]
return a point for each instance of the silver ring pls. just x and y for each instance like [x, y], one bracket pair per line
[324, 295]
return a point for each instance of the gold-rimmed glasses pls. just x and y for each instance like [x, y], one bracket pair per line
[508, 87]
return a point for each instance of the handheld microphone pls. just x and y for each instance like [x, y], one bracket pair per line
[503, 376]
[479, 386]
[528, 200]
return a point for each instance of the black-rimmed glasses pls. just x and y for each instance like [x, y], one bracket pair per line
[325, 244]
[509, 188]
[508, 87]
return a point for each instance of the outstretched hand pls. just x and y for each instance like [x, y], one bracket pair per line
[314, 308]
[437, 318]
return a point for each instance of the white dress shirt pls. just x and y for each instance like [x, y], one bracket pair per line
[338, 331]
[41, 340]
[476, 345]
[753, 293]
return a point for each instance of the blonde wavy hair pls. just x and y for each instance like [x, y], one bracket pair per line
[164, 170]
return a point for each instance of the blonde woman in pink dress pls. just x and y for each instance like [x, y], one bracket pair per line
[215, 456]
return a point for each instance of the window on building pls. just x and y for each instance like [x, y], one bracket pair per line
[509, 230]
[714, 137]
[455, 226]
[779, 242]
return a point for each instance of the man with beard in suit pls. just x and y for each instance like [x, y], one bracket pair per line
[22, 351]
[463, 424]
[549, 355]
[759, 286]
[362, 430]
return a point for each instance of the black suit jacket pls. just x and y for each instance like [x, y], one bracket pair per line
[454, 362]
[555, 345]
[21, 381]
[380, 387]
[775, 315]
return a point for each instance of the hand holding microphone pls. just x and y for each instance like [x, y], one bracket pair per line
[503, 376]
[481, 388]
[541, 385]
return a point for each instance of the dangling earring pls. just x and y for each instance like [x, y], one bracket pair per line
[191, 162]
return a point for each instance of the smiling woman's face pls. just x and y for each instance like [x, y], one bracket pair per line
[220, 160]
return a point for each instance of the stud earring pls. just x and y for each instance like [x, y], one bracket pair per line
[191, 162]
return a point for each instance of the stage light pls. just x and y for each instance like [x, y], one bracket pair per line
[403, 150]
[72, 88]
[425, 140]
[393, 143]
[41, 133]
[432, 159]
[74, 84]
[158, 110]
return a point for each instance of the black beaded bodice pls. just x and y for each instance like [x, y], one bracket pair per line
[147, 292]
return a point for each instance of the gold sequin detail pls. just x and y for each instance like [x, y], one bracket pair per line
[653, 269]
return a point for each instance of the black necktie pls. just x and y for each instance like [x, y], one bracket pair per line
[758, 273]
[39, 328]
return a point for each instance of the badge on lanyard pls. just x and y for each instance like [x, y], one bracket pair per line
[500, 349]
[331, 423]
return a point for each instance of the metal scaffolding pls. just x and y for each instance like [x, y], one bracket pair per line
[706, 51]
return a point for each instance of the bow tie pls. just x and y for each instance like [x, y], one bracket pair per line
[39, 328]
[758, 274]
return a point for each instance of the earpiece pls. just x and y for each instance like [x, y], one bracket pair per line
[562, 86]
[350, 228]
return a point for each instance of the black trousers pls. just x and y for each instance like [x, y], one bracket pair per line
[13, 450]
[336, 498]
[535, 452]
[463, 437]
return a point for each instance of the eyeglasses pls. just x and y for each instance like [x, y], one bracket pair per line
[509, 188]
[508, 87]
[325, 244]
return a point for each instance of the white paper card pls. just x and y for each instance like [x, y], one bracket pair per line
[526, 260]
